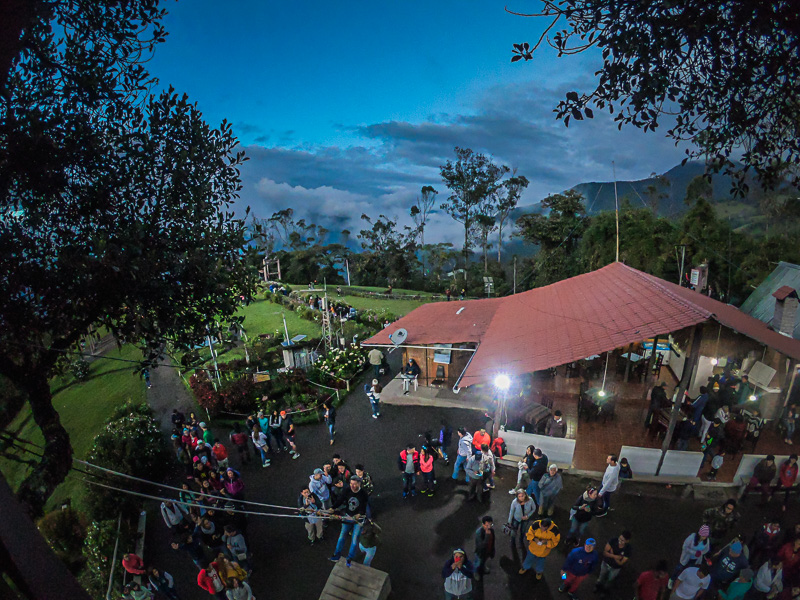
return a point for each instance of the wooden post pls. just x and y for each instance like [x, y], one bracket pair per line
[628, 363]
[689, 369]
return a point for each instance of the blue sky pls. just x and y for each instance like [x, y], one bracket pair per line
[349, 107]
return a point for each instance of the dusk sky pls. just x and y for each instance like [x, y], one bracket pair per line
[350, 107]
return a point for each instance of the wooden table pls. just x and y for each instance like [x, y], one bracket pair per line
[356, 582]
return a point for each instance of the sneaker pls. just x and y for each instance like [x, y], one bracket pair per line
[522, 571]
[405, 494]
[413, 492]
[538, 576]
[374, 416]
[348, 562]
[670, 583]
[265, 465]
[561, 589]
[572, 596]
[512, 491]
[331, 442]
[296, 455]
[487, 570]
[334, 558]
[602, 514]
[312, 541]
[379, 414]
[490, 486]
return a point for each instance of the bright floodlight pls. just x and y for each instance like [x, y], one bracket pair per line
[715, 361]
[753, 398]
[602, 393]
[502, 382]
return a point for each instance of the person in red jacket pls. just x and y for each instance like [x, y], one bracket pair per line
[481, 437]
[497, 447]
[408, 463]
[210, 581]
[220, 453]
[133, 564]
[787, 477]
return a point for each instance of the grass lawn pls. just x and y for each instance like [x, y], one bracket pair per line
[396, 307]
[84, 409]
[265, 317]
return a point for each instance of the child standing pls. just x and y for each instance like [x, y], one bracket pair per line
[716, 465]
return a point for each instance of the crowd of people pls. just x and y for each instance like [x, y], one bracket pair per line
[209, 526]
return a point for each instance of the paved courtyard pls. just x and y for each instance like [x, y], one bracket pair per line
[421, 532]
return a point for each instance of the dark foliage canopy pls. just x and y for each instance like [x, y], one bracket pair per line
[726, 72]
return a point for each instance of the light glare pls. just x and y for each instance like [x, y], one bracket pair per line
[502, 382]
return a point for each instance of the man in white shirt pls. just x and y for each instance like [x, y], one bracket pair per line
[691, 583]
[610, 484]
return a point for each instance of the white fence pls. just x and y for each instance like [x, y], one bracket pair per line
[558, 450]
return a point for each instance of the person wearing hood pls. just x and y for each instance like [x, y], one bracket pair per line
[318, 484]
[464, 451]
[458, 573]
[233, 484]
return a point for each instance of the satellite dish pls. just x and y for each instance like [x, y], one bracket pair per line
[398, 337]
[299, 338]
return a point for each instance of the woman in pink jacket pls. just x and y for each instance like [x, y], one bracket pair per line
[426, 466]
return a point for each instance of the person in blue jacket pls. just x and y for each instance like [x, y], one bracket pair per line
[578, 564]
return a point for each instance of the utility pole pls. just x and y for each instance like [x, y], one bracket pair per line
[347, 269]
[515, 274]
[616, 205]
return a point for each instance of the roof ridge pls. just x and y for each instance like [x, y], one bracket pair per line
[655, 282]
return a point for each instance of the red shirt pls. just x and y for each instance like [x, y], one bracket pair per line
[649, 586]
[220, 453]
[134, 564]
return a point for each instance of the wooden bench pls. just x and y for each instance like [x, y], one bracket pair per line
[356, 582]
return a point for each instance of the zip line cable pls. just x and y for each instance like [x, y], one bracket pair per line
[178, 501]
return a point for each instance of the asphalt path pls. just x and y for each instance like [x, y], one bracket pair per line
[419, 533]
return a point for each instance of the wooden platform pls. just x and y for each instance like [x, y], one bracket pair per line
[356, 582]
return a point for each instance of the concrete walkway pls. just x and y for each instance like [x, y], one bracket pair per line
[167, 393]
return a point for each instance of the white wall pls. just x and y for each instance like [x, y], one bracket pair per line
[558, 450]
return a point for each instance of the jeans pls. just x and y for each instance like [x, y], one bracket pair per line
[607, 575]
[429, 477]
[606, 498]
[376, 407]
[377, 370]
[370, 554]
[332, 430]
[481, 564]
[789, 428]
[409, 483]
[577, 529]
[264, 457]
[460, 462]
[355, 528]
[537, 562]
[277, 433]
[268, 435]
[533, 490]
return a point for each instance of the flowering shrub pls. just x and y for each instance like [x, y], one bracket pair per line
[80, 369]
[344, 364]
[234, 395]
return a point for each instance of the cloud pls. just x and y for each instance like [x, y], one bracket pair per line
[385, 164]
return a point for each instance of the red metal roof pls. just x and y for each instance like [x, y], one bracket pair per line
[572, 319]
[784, 292]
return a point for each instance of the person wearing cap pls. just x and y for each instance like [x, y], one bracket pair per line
[650, 585]
[691, 583]
[542, 535]
[556, 426]
[208, 437]
[353, 503]
[695, 547]
[616, 554]
[458, 573]
[464, 451]
[768, 582]
[577, 566]
[276, 430]
[728, 565]
[550, 485]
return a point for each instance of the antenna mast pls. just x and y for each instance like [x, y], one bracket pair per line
[616, 205]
